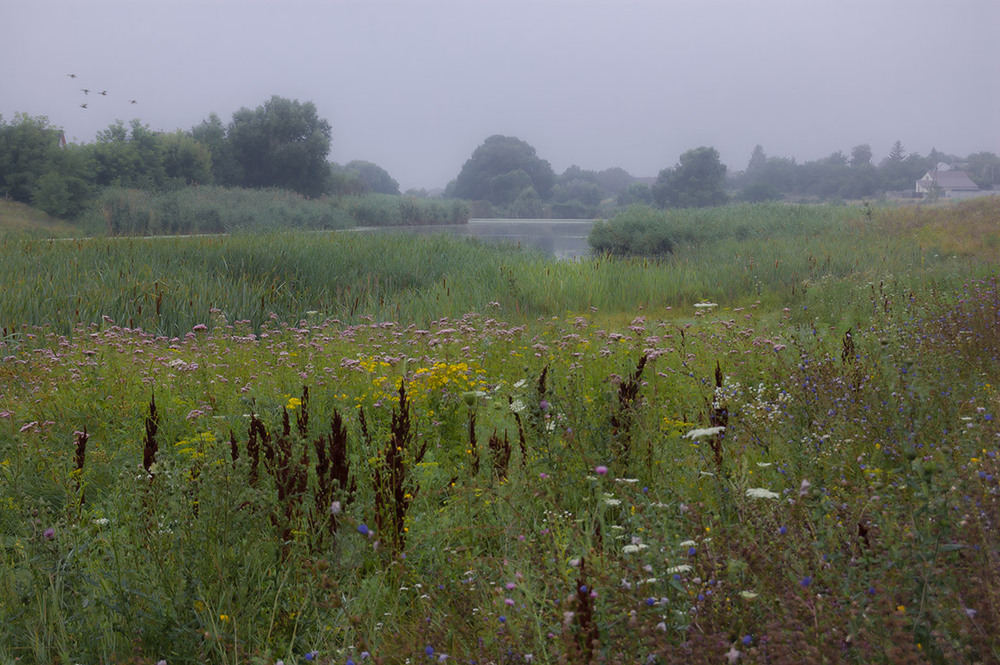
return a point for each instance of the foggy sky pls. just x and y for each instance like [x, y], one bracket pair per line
[416, 85]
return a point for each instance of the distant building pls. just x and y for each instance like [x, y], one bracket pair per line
[944, 182]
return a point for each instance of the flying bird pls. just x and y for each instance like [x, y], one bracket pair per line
[132, 101]
[83, 106]
[85, 91]
[103, 92]
[72, 76]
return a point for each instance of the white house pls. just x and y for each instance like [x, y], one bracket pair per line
[945, 182]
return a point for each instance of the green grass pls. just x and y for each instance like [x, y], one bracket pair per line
[17, 219]
[535, 490]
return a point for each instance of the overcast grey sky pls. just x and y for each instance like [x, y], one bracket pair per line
[416, 85]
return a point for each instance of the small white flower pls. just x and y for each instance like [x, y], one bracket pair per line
[705, 305]
[683, 568]
[764, 464]
[688, 543]
[613, 502]
[631, 549]
[517, 406]
[749, 595]
[520, 384]
[761, 493]
[702, 433]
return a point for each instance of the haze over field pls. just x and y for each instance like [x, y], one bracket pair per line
[416, 86]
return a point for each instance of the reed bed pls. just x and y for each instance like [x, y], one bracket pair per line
[214, 210]
[169, 285]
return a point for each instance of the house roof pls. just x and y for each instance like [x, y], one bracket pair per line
[948, 180]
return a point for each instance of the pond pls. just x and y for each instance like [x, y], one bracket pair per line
[559, 238]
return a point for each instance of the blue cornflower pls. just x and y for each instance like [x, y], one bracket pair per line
[747, 639]
[806, 581]
[363, 529]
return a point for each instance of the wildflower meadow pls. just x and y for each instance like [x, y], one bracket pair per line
[766, 449]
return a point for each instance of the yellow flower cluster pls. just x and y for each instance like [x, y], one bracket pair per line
[455, 378]
[193, 448]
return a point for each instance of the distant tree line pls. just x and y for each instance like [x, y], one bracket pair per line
[507, 178]
[840, 176]
[284, 144]
[281, 144]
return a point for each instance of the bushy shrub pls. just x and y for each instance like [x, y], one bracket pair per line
[640, 230]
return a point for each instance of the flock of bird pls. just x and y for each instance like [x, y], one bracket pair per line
[103, 93]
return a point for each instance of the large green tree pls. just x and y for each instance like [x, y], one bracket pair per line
[282, 143]
[697, 181]
[372, 177]
[499, 170]
[25, 147]
[128, 156]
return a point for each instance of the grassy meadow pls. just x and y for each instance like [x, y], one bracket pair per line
[779, 445]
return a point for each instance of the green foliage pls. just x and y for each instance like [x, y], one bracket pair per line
[65, 189]
[499, 170]
[647, 232]
[185, 160]
[697, 181]
[760, 192]
[211, 133]
[576, 194]
[282, 143]
[639, 231]
[371, 177]
[128, 157]
[25, 148]
[637, 193]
